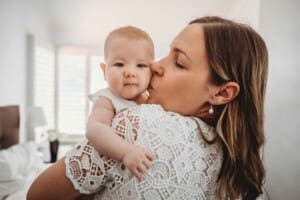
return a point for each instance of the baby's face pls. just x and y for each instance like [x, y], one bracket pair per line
[128, 66]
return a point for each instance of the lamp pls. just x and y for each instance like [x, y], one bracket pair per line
[36, 117]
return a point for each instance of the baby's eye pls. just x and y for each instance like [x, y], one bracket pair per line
[141, 65]
[179, 65]
[118, 64]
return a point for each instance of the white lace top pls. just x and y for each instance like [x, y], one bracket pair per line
[118, 103]
[186, 167]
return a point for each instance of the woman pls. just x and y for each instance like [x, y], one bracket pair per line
[216, 71]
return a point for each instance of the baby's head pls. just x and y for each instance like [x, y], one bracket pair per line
[128, 53]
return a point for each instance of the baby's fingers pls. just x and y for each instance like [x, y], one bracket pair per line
[142, 169]
[147, 163]
[149, 155]
[137, 174]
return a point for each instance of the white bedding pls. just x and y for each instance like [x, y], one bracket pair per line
[20, 165]
[20, 194]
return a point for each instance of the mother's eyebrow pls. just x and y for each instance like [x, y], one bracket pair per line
[177, 50]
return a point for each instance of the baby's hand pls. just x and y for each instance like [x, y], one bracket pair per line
[138, 160]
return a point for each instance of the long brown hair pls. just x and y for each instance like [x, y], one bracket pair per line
[237, 53]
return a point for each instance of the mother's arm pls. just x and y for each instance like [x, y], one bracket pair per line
[53, 182]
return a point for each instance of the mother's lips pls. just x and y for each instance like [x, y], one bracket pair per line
[150, 87]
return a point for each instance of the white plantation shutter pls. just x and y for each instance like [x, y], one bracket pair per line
[72, 93]
[43, 82]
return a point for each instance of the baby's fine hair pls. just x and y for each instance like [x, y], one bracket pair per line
[129, 32]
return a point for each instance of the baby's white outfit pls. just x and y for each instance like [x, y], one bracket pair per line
[118, 103]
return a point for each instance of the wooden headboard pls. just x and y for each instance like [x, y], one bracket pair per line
[9, 125]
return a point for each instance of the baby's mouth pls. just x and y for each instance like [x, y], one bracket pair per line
[130, 84]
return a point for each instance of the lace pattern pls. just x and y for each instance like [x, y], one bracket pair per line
[186, 167]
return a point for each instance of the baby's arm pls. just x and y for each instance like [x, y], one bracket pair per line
[102, 136]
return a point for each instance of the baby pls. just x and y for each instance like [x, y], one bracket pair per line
[128, 54]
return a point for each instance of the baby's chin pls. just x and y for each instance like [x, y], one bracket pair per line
[131, 96]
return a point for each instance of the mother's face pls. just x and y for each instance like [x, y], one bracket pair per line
[181, 81]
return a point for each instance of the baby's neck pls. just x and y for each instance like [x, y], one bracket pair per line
[142, 98]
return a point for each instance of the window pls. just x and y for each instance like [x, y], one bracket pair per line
[61, 82]
[71, 93]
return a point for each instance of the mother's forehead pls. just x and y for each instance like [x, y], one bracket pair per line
[190, 40]
[191, 34]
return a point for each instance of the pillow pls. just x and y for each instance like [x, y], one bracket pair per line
[18, 160]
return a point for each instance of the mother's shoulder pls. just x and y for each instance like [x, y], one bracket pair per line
[152, 108]
[154, 111]
[155, 118]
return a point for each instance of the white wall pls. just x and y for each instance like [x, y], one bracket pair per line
[280, 27]
[17, 18]
[89, 22]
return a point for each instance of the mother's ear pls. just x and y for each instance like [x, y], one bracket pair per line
[225, 93]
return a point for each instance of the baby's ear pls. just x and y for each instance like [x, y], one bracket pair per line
[102, 66]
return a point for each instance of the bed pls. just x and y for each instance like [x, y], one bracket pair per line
[19, 163]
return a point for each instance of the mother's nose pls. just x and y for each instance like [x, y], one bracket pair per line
[157, 68]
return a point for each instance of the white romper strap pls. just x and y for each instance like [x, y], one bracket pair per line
[118, 102]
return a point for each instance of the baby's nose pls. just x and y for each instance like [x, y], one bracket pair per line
[129, 73]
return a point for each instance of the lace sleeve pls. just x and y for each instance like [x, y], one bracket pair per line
[89, 171]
